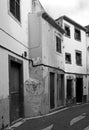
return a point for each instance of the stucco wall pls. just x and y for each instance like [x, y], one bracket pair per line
[87, 49]
[49, 54]
[36, 94]
[4, 85]
[35, 35]
[4, 89]
[9, 23]
[14, 37]
[70, 46]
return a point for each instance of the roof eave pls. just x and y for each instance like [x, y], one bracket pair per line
[52, 22]
[72, 22]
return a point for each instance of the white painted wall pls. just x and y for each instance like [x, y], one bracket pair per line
[70, 45]
[49, 54]
[43, 41]
[9, 23]
[87, 49]
[43, 45]
[35, 35]
[13, 36]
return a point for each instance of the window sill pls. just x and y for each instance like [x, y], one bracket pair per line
[79, 65]
[58, 53]
[78, 40]
[68, 63]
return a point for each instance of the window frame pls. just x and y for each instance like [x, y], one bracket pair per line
[78, 52]
[58, 50]
[67, 35]
[68, 62]
[14, 16]
[78, 37]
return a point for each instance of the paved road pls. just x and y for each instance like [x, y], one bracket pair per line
[74, 118]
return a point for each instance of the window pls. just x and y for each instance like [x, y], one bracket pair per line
[58, 44]
[77, 34]
[67, 30]
[79, 58]
[15, 8]
[68, 58]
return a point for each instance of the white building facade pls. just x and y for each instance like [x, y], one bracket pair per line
[41, 68]
[87, 52]
[14, 70]
[31, 60]
[46, 50]
[75, 59]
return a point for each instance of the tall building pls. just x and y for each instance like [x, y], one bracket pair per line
[14, 70]
[75, 59]
[46, 50]
[87, 59]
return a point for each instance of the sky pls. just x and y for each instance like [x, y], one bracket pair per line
[77, 10]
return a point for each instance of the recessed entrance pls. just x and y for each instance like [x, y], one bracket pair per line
[79, 89]
[15, 88]
[52, 102]
[60, 89]
[69, 89]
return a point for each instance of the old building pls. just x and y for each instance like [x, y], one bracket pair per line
[42, 67]
[46, 50]
[74, 40]
[13, 59]
[31, 61]
[87, 59]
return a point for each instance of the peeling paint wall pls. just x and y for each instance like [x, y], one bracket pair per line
[36, 100]
[42, 51]
[4, 112]
[34, 91]
[4, 89]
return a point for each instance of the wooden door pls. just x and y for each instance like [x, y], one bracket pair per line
[69, 89]
[59, 90]
[79, 89]
[16, 92]
[52, 99]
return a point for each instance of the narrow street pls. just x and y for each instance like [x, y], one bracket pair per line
[73, 118]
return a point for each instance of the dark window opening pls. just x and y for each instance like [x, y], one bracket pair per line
[78, 58]
[77, 34]
[68, 58]
[15, 8]
[67, 31]
[58, 44]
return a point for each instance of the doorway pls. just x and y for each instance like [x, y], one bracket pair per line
[52, 91]
[16, 88]
[60, 89]
[69, 89]
[79, 89]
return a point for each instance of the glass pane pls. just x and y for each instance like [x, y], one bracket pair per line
[12, 7]
[17, 11]
[18, 1]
